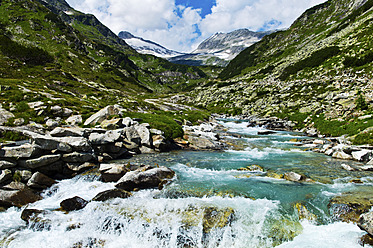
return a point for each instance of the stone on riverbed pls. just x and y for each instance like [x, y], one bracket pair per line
[139, 179]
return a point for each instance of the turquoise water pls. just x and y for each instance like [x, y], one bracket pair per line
[253, 209]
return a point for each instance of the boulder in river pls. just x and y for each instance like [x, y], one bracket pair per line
[139, 179]
[40, 181]
[72, 204]
[366, 222]
[16, 194]
[110, 194]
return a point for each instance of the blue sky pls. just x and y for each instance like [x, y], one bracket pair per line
[182, 24]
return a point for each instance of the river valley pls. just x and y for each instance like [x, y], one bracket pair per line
[211, 202]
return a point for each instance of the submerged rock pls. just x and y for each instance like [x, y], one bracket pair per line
[252, 168]
[216, 218]
[72, 204]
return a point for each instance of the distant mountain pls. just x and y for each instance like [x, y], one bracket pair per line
[146, 46]
[221, 48]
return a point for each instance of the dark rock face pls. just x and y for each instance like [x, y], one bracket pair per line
[110, 194]
[151, 178]
[72, 204]
[17, 194]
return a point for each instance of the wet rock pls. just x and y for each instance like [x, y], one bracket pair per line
[112, 172]
[366, 240]
[7, 164]
[112, 193]
[67, 132]
[140, 179]
[366, 223]
[252, 168]
[266, 132]
[5, 176]
[40, 181]
[17, 194]
[160, 143]
[294, 177]
[303, 212]
[366, 167]
[103, 114]
[23, 151]
[39, 162]
[31, 214]
[77, 157]
[349, 206]
[72, 204]
[216, 218]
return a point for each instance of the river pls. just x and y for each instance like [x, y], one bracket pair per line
[244, 208]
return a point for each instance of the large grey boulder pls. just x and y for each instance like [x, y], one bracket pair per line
[74, 120]
[132, 135]
[23, 151]
[77, 157]
[341, 155]
[105, 138]
[145, 135]
[103, 114]
[112, 124]
[63, 144]
[362, 156]
[5, 176]
[7, 164]
[17, 194]
[39, 162]
[203, 143]
[67, 131]
[152, 178]
[5, 116]
[366, 223]
[112, 172]
[40, 181]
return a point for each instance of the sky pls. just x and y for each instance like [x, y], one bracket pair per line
[181, 25]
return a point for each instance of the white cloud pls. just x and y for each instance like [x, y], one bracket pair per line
[175, 27]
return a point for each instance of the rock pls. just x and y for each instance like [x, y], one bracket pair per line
[366, 240]
[52, 170]
[79, 168]
[112, 193]
[349, 206]
[24, 175]
[19, 121]
[312, 132]
[77, 157]
[145, 136]
[146, 150]
[366, 223]
[40, 181]
[294, 177]
[303, 213]
[17, 194]
[31, 214]
[66, 112]
[366, 167]
[56, 110]
[151, 178]
[347, 167]
[365, 117]
[318, 142]
[109, 137]
[112, 124]
[127, 122]
[216, 218]
[341, 155]
[112, 172]
[6, 176]
[329, 152]
[52, 123]
[160, 143]
[132, 135]
[72, 204]
[74, 120]
[39, 162]
[102, 115]
[266, 132]
[362, 156]
[63, 144]
[23, 151]
[203, 143]
[5, 116]
[252, 168]
[7, 164]
[67, 131]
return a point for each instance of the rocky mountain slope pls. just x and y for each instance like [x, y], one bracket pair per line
[146, 46]
[318, 72]
[220, 48]
[52, 55]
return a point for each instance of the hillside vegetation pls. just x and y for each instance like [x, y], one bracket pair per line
[317, 73]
